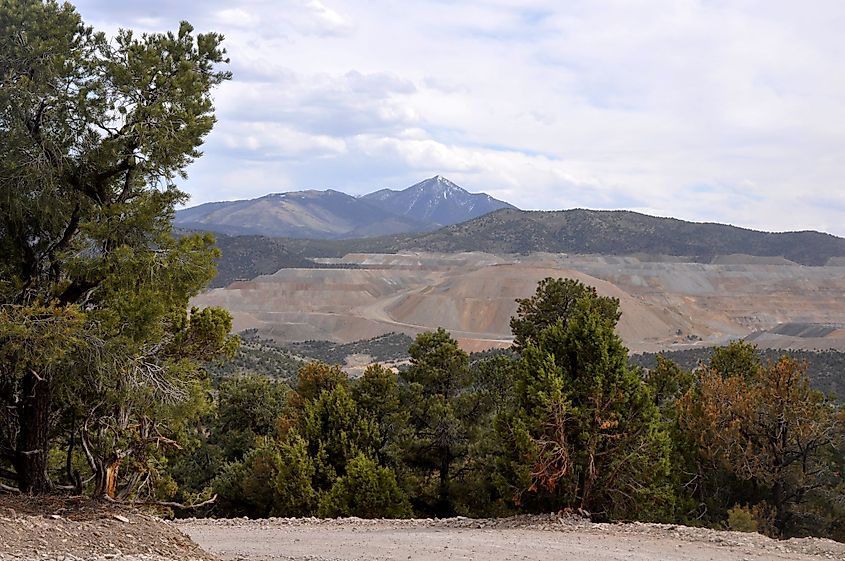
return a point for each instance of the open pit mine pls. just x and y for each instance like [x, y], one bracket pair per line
[666, 303]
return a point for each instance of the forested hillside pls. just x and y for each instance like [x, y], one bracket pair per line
[559, 422]
[825, 369]
[621, 232]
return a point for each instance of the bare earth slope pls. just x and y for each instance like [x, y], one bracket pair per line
[666, 303]
[546, 538]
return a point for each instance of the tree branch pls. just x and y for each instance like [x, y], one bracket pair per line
[86, 447]
[7, 489]
[70, 230]
[180, 506]
[127, 186]
[33, 125]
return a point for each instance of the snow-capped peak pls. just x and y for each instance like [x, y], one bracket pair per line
[436, 200]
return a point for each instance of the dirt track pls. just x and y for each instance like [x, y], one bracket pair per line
[544, 539]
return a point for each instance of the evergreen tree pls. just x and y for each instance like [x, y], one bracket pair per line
[583, 431]
[366, 491]
[765, 429]
[444, 416]
[555, 300]
[378, 397]
[93, 134]
[242, 417]
[335, 433]
[293, 490]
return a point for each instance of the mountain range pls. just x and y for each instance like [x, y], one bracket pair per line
[260, 236]
[331, 214]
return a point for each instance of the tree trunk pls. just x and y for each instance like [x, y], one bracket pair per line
[105, 477]
[33, 440]
[781, 507]
[444, 507]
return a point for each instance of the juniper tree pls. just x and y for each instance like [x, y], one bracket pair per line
[93, 135]
[444, 415]
[582, 430]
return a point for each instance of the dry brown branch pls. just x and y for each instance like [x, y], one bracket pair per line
[169, 504]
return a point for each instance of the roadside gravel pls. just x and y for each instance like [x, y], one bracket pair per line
[538, 538]
[79, 529]
[94, 533]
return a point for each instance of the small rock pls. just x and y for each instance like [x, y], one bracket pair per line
[119, 517]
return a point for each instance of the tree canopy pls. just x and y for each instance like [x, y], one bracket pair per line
[583, 429]
[760, 428]
[556, 300]
[94, 133]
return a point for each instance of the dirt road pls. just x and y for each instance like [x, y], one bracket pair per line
[537, 539]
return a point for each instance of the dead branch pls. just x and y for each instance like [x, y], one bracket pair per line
[15, 490]
[86, 446]
[180, 506]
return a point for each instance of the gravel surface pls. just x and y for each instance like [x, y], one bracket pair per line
[35, 529]
[536, 538]
[78, 529]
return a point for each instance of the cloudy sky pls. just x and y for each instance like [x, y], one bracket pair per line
[709, 110]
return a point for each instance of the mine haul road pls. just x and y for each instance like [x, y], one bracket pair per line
[547, 539]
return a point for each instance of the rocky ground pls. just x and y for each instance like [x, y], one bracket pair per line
[537, 538]
[77, 529]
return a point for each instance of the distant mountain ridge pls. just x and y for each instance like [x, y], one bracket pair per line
[621, 232]
[576, 231]
[331, 214]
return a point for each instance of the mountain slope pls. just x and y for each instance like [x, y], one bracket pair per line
[435, 200]
[246, 257]
[331, 214]
[621, 233]
[299, 214]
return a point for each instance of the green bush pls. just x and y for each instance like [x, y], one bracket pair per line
[741, 519]
[366, 491]
[245, 488]
[294, 495]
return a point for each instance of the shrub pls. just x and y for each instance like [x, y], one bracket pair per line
[741, 519]
[367, 491]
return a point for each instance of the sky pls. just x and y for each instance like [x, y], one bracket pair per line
[727, 111]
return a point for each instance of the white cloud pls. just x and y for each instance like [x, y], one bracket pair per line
[718, 111]
[325, 20]
[237, 17]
